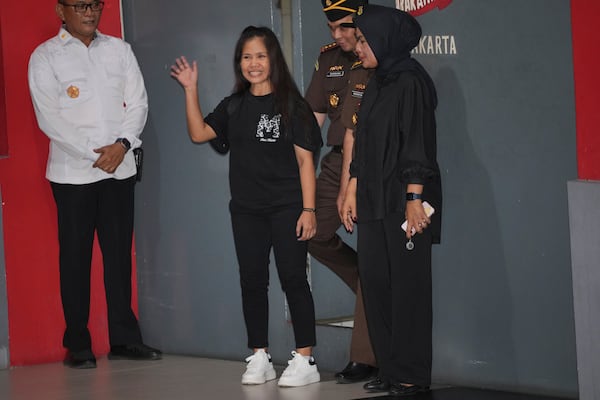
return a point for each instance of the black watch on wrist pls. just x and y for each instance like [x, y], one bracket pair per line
[125, 143]
[413, 196]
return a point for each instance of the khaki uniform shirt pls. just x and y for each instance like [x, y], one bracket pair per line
[336, 89]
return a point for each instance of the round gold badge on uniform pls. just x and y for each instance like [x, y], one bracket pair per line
[334, 100]
[73, 92]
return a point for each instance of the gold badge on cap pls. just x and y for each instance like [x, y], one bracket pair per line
[73, 92]
[328, 3]
[360, 10]
[334, 100]
[354, 119]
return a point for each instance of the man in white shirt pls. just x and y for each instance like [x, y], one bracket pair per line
[90, 100]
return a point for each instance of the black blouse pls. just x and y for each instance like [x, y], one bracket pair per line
[396, 146]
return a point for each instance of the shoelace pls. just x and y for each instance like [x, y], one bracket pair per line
[252, 362]
[295, 362]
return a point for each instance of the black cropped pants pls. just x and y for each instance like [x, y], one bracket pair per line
[255, 233]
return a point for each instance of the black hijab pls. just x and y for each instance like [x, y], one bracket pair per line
[392, 34]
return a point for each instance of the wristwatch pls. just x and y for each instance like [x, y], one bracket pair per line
[125, 143]
[413, 196]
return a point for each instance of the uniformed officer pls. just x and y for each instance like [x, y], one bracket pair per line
[335, 91]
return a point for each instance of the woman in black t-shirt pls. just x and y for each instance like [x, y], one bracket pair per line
[273, 137]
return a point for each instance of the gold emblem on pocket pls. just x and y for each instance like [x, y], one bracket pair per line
[354, 119]
[334, 100]
[73, 92]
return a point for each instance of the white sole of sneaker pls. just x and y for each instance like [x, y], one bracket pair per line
[269, 376]
[312, 378]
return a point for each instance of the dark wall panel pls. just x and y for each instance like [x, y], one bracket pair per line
[503, 297]
[507, 148]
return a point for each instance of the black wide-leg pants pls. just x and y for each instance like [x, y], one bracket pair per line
[331, 251]
[104, 207]
[397, 293]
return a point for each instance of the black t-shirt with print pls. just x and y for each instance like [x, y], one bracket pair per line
[263, 170]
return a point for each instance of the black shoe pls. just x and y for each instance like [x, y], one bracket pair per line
[355, 372]
[402, 390]
[134, 352]
[377, 385]
[83, 359]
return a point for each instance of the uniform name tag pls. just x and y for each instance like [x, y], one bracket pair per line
[335, 74]
[357, 93]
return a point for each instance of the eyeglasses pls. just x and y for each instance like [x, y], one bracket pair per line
[81, 8]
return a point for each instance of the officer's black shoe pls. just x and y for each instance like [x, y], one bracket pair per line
[355, 372]
[398, 390]
[377, 385]
[83, 359]
[138, 351]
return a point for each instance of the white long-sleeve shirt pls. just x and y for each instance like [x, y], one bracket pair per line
[85, 98]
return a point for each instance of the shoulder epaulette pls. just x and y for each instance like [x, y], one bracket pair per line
[357, 64]
[328, 47]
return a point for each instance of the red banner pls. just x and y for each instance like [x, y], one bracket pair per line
[418, 7]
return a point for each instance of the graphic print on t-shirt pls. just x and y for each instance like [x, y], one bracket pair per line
[268, 129]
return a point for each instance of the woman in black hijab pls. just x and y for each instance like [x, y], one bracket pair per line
[394, 174]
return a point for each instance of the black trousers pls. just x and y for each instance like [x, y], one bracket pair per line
[254, 235]
[397, 293]
[104, 207]
[330, 250]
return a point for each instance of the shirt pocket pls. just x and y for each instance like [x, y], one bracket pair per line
[114, 68]
[335, 89]
[336, 79]
[114, 88]
[74, 97]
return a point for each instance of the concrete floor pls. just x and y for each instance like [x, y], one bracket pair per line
[181, 378]
[174, 377]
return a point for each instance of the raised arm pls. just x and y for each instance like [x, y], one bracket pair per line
[187, 76]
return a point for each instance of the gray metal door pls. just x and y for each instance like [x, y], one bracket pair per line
[187, 269]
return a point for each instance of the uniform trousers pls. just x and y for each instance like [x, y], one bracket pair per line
[104, 207]
[330, 250]
[397, 291]
[254, 235]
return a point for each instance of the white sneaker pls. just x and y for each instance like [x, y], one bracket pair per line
[299, 372]
[259, 369]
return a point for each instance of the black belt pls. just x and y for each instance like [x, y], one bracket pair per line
[337, 149]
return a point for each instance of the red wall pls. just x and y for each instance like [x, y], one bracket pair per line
[586, 59]
[3, 133]
[30, 240]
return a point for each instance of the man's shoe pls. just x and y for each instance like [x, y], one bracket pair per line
[83, 359]
[355, 372]
[377, 385]
[259, 369]
[404, 390]
[299, 372]
[138, 351]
